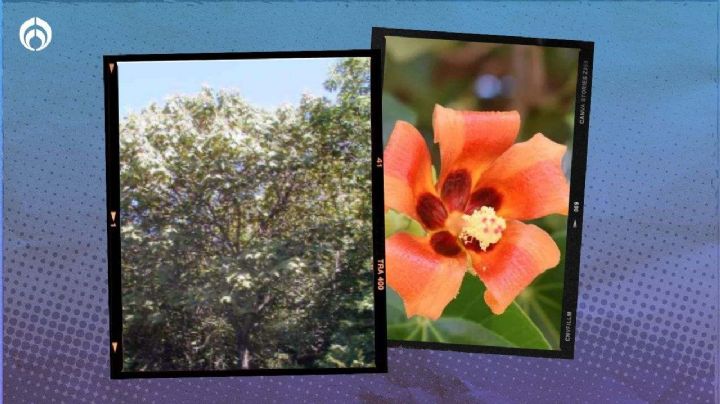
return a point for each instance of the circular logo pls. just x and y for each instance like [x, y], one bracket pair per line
[35, 34]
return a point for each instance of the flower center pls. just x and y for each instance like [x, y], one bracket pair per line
[483, 226]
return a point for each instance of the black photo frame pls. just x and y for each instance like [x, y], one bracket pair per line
[577, 184]
[114, 214]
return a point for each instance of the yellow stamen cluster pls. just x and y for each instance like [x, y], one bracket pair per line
[484, 226]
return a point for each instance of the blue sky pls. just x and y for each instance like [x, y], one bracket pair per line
[265, 83]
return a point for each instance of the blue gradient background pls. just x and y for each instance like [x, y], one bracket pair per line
[648, 305]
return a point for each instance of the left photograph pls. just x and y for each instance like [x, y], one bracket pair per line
[241, 190]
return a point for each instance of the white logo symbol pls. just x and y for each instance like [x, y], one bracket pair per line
[35, 28]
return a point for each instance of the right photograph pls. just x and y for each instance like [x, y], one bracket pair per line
[485, 141]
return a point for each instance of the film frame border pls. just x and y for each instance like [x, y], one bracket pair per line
[577, 184]
[112, 161]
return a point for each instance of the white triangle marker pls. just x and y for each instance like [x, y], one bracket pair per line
[114, 345]
[112, 66]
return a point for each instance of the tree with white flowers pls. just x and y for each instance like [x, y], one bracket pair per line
[246, 233]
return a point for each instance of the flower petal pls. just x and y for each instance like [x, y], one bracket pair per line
[471, 140]
[407, 169]
[425, 280]
[524, 252]
[526, 182]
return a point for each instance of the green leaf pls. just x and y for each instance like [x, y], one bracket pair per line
[513, 325]
[395, 222]
[450, 330]
[395, 308]
[542, 300]
[462, 331]
[467, 321]
[393, 111]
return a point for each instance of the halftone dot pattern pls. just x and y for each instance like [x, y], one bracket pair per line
[647, 321]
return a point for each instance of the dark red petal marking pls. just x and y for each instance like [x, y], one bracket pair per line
[474, 245]
[456, 190]
[431, 211]
[484, 197]
[445, 244]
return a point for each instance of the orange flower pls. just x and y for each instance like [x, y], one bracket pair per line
[487, 185]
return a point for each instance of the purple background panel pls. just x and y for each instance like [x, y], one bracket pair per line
[648, 306]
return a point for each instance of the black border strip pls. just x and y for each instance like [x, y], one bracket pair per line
[577, 185]
[112, 154]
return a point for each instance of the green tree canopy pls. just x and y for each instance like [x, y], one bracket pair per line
[246, 233]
